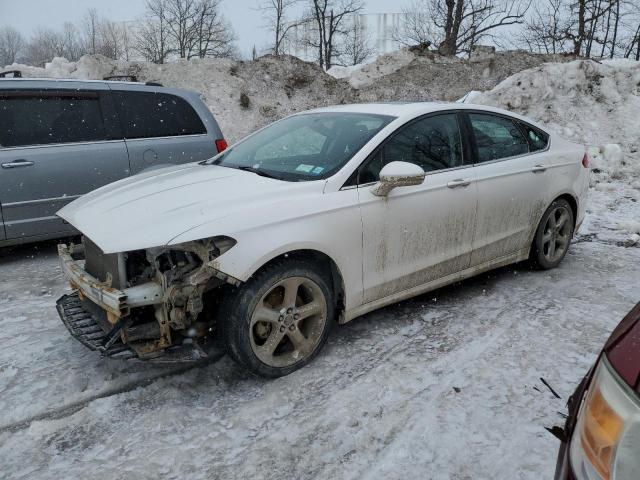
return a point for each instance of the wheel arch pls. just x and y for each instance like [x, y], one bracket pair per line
[322, 259]
[573, 203]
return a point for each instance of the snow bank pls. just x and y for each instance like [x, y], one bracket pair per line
[89, 67]
[597, 104]
[367, 73]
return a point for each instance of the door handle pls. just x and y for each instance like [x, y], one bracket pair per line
[18, 164]
[539, 168]
[459, 182]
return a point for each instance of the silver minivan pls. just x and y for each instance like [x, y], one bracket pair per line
[60, 139]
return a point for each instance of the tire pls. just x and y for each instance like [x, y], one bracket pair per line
[553, 235]
[259, 317]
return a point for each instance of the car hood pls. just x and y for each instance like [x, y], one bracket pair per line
[153, 208]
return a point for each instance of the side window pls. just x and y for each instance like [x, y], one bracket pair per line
[45, 118]
[432, 143]
[537, 139]
[149, 114]
[497, 137]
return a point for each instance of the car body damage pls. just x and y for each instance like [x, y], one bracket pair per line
[167, 254]
[159, 294]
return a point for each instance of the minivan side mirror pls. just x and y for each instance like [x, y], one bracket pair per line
[397, 174]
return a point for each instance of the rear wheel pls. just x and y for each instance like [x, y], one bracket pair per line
[279, 320]
[553, 235]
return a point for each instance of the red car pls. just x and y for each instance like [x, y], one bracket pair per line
[601, 438]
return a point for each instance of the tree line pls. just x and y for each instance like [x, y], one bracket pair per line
[168, 29]
[334, 30]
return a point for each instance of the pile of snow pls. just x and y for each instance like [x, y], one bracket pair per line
[89, 67]
[367, 73]
[597, 104]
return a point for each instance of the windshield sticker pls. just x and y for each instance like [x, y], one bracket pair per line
[304, 168]
[317, 170]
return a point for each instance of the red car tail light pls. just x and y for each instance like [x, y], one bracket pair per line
[221, 145]
[585, 160]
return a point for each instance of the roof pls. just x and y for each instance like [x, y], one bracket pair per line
[75, 80]
[413, 109]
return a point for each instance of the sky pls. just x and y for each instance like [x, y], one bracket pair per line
[247, 21]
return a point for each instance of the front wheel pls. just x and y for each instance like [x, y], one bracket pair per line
[553, 235]
[280, 319]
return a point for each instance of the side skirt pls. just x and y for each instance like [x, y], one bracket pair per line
[441, 282]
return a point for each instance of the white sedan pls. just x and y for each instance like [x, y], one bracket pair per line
[314, 220]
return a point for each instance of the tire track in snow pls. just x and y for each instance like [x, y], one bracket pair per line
[76, 406]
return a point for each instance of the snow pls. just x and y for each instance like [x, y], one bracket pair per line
[446, 385]
[367, 73]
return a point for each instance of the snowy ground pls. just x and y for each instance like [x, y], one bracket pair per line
[445, 386]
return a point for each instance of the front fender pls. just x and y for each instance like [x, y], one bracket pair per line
[334, 228]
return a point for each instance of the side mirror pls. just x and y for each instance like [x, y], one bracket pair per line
[397, 174]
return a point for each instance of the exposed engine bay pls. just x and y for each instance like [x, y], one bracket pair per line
[170, 287]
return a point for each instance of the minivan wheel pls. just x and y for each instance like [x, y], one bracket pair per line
[279, 320]
[553, 235]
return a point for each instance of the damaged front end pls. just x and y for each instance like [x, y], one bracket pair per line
[157, 303]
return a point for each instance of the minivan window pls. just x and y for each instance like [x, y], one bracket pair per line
[497, 137]
[433, 143]
[42, 118]
[150, 114]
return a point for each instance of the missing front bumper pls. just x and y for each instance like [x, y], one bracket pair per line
[84, 327]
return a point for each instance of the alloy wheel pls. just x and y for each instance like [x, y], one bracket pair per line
[288, 321]
[557, 234]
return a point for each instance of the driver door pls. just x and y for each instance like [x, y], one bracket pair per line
[419, 234]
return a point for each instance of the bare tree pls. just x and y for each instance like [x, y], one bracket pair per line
[212, 35]
[43, 46]
[180, 17]
[455, 26]
[113, 40]
[417, 27]
[544, 31]
[356, 45]
[91, 27]
[72, 44]
[329, 18]
[276, 12]
[12, 45]
[187, 28]
[583, 27]
[152, 36]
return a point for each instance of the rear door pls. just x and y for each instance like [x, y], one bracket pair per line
[55, 145]
[513, 184]
[162, 128]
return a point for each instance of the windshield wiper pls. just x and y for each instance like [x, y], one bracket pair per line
[257, 171]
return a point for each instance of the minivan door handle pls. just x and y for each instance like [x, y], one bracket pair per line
[18, 164]
[459, 182]
[539, 168]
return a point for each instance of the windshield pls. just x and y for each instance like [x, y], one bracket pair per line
[304, 147]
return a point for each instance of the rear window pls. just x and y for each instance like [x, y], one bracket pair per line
[42, 118]
[537, 139]
[149, 114]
